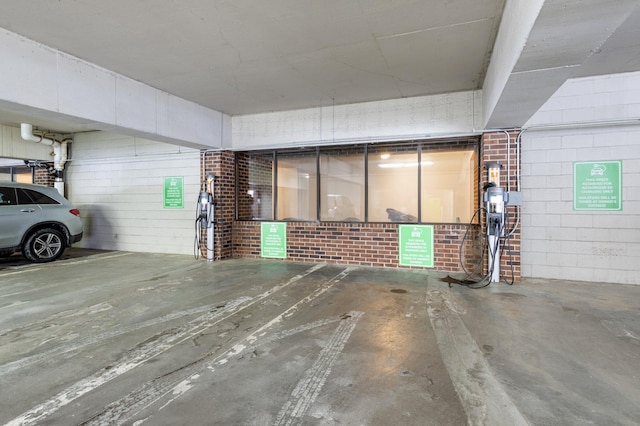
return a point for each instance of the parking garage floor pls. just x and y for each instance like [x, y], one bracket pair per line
[126, 338]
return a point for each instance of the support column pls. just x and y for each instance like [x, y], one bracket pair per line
[501, 148]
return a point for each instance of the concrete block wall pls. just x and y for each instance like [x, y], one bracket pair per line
[117, 182]
[589, 119]
[13, 146]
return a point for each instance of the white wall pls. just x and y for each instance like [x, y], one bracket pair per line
[117, 183]
[13, 146]
[407, 118]
[583, 121]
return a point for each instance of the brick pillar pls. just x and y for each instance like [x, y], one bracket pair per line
[42, 177]
[221, 165]
[495, 148]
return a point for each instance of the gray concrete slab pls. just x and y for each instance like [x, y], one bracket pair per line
[124, 338]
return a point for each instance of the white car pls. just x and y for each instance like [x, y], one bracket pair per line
[37, 221]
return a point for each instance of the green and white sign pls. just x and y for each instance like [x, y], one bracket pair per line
[174, 192]
[416, 245]
[273, 240]
[597, 185]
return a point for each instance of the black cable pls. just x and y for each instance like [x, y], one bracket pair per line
[482, 284]
[508, 244]
[196, 243]
[480, 264]
[460, 250]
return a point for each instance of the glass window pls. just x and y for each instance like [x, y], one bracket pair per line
[408, 182]
[7, 196]
[28, 196]
[342, 184]
[255, 185]
[15, 170]
[297, 186]
[393, 183]
[447, 185]
[23, 175]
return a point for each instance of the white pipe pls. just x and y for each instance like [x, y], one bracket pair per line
[60, 150]
[26, 131]
[64, 153]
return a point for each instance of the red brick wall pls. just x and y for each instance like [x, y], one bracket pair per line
[42, 177]
[494, 149]
[367, 244]
[221, 164]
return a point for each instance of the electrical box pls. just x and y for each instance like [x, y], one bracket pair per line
[515, 198]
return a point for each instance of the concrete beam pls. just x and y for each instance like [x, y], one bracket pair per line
[539, 46]
[39, 82]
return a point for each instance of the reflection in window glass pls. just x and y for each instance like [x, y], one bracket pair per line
[407, 182]
[16, 173]
[255, 186]
[447, 186]
[297, 186]
[342, 184]
[23, 175]
[393, 183]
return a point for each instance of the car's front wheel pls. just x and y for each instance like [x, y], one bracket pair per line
[44, 245]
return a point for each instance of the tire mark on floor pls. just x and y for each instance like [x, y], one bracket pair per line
[121, 411]
[309, 387]
[484, 400]
[101, 337]
[145, 352]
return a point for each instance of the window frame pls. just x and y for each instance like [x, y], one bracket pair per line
[471, 143]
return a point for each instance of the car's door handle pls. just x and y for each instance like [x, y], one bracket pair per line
[28, 210]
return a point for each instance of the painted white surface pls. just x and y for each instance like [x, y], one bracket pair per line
[518, 19]
[418, 117]
[558, 242]
[13, 146]
[61, 87]
[117, 183]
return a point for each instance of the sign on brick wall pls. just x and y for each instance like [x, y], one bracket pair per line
[416, 245]
[597, 185]
[174, 192]
[273, 240]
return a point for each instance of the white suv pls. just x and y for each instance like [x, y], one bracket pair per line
[36, 220]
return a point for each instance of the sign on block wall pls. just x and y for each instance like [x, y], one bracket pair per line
[416, 245]
[273, 240]
[597, 185]
[174, 192]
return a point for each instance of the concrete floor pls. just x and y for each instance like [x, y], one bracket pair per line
[123, 338]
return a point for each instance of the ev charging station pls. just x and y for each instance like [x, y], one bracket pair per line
[496, 200]
[206, 215]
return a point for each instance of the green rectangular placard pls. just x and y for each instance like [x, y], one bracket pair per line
[174, 192]
[597, 185]
[273, 240]
[416, 245]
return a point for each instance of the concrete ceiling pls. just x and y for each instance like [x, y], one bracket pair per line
[252, 56]
[248, 56]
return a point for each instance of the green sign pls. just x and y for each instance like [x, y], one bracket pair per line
[174, 192]
[273, 239]
[597, 185]
[416, 245]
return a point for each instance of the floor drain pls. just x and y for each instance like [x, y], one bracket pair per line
[398, 290]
